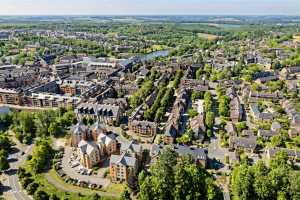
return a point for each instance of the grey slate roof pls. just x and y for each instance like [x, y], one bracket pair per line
[87, 147]
[123, 160]
[130, 146]
[98, 109]
[79, 128]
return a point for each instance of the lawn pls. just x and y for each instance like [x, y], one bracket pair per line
[208, 36]
[297, 38]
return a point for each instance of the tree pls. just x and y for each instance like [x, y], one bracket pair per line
[277, 141]
[197, 95]
[169, 179]
[32, 187]
[209, 119]
[224, 108]
[54, 129]
[43, 120]
[5, 143]
[41, 195]
[4, 165]
[189, 180]
[294, 187]
[192, 113]
[125, 195]
[242, 182]
[53, 197]
[262, 184]
[159, 115]
[208, 101]
[42, 153]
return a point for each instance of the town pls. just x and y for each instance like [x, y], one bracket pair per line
[110, 110]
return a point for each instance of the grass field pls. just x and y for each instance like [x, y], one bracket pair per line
[208, 36]
[297, 38]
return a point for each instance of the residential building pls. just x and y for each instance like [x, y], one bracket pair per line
[293, 154]
[245, 143]
[107, 114]
[122, 167]
[89, 153]
[257, 115]
[236, 110]
[199, 155]
[143, 128]
[10, 96]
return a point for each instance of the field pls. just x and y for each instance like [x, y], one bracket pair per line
[297, 38]
[208, 36]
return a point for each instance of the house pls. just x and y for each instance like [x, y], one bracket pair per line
[122, 167]
[256, 96]
[293, 154]
[231, 93]
[230, 129]
[236, 110]
[287, 72]
[131, 148]
[263, 80]
[196, 85]
[259, 116]
[294, 117]
[198, 127]
[275, 126]
[245, 143]
[95, 144]
[266, 134]
[199, 155]
[170, 133]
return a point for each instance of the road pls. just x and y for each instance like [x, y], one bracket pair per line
[16, 160]
[216, 151]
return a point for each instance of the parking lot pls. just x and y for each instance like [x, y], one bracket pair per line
[71, 167]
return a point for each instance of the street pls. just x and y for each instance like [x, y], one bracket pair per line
[14, 189]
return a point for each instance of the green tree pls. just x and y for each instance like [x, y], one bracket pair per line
[55, 129]
[125, 195]
[242, 182]
[209, 119]
[42, 153]
[32, 187]
[4, 165]
[224, 108]
[43, 120]
[41, 195]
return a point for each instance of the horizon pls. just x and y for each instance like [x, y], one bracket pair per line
[146, 8]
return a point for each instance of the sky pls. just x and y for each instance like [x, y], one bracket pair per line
[149, 7]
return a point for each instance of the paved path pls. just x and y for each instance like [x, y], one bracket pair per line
[16, 160]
